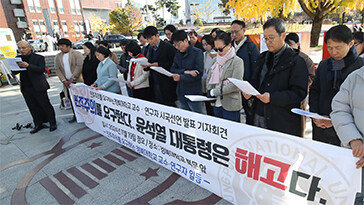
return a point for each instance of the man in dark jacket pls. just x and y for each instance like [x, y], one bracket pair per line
[194, 40]
[188, 69]
[330, 73]
[160, 54]
[247, 51]
[281, 78]
[34, 86]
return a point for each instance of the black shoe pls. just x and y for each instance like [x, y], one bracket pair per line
[52, 128]
[36, 129]
[72, 120]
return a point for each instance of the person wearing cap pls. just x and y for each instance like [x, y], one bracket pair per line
[68, 65]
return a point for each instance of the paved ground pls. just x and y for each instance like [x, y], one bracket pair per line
[75, 165]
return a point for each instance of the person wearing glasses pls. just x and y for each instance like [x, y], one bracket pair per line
[187, 71]
[160, 54]
[247, 51]
[359, 42]
[228, 65]
[330, 74]
[282, 80]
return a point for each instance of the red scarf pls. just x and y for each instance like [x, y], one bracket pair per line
[132, 68]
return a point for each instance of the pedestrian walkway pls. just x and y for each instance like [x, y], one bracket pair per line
[75, 165]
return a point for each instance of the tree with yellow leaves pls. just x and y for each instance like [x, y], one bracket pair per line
[127, 19]
[317, 10]
[261, 9]
[98, 24]
[204, 11]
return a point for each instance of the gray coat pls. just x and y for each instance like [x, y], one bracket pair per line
[348, 108]
[231, 95]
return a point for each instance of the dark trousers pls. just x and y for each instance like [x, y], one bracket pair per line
[143, 94]
[249, 117]
[220, 112]
[39, 106]
[327, 135]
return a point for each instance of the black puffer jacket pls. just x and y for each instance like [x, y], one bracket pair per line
[287, 84]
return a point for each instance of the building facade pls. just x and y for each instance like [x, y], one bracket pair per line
[211, 13]
[66, 18]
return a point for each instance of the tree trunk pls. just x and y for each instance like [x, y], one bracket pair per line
[316, 30]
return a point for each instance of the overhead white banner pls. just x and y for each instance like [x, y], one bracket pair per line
[241, 163]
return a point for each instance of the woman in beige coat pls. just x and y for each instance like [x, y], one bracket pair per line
[228, 103]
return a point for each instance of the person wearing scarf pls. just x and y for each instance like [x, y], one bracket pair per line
[228, 98]
[330, 74]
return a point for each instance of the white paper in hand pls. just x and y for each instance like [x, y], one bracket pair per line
[244, 86]
[12, 63]
[194, 98]
[162, 71]
[119, 80]
[140, 61]
[309, 114]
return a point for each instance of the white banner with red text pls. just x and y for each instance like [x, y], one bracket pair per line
[241, 163]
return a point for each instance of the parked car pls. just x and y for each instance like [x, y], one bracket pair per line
[79, 44]
[38, 45]
[114, 39]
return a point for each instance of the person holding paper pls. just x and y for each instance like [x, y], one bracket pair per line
[138, 79]
[228, 103]
[282, 80]
[161, 54]
[348, 118]
[68, 65]
[34, 86]
[209, 58]
[248, 51]
[106, 70]
[330, 74]
[187, 71]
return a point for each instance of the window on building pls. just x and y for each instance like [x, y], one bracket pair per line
[119, 4]
[78, 6]
[80, 24]
[77, 29]
[36, 28]
[72, 4]
[31, 5]
[65, 29]
[43, 28]
[55, 26]
[51, 6]
[37, 6]
[60, 6]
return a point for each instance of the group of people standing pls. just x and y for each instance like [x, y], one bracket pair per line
[284, 75]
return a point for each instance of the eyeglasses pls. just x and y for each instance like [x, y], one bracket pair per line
[270, 38]
[177, 44]
[235, 32]
[220, 49]
[356, 43]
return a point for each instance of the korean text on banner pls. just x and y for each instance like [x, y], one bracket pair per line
[241, 163]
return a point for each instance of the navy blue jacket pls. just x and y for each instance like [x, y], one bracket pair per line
[249, 52]
[192, 59]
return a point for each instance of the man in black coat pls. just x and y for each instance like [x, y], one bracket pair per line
[34, 86]
[161, 54]
[330, 74]
[282, 80]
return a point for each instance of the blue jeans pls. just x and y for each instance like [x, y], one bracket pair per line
[227, 115]
[187, 104]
